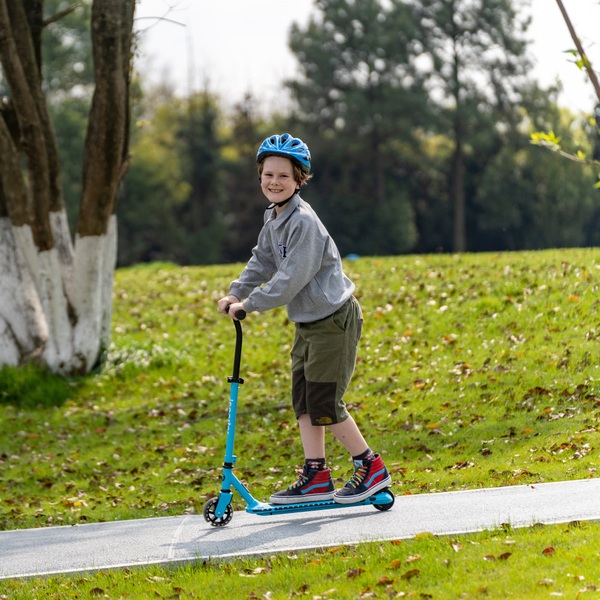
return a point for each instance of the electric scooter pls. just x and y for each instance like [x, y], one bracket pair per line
[218, 511]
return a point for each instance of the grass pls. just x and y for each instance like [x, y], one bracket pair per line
[535, 563]
[474, 371]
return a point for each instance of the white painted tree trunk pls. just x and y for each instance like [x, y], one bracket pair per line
[23, 328]
[55, 305]
[95, 259]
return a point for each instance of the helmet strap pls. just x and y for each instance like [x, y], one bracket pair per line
[282, 203]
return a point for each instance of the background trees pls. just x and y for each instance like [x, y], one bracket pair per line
[476, 63]
[362, 104]
[418, 116]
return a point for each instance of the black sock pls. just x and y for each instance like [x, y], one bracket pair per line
[366, 455]
[315, 463]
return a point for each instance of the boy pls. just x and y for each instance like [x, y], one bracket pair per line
[296, 263]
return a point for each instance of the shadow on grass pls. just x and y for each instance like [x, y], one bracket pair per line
[32, 386]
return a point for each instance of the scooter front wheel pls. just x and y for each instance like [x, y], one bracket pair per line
[387, 505]
[210, 513]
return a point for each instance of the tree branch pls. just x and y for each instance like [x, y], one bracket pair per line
[586, 63]
[59, 15]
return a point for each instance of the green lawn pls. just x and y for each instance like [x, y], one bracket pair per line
[474, 371]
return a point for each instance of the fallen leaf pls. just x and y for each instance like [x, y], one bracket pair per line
[354, 573]
[549, 551]
[410, 574]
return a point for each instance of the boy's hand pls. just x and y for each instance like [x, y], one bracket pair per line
[227, 301]
[233, 309]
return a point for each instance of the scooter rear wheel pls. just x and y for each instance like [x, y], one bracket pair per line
[387, 505]
[210, 513]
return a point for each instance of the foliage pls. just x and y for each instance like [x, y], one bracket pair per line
[361, 101]
[245, 203]
[153, 191]
[550, 205]
[173, 197]
[67, 50]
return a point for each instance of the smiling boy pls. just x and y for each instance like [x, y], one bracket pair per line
[296, 264]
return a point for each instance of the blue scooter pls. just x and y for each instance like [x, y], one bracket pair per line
[218, 511]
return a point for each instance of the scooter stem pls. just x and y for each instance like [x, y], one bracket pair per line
[235, 380]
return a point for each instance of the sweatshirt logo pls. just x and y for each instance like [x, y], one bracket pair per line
[282, 250]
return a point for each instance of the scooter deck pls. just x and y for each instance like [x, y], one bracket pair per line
[262, 508]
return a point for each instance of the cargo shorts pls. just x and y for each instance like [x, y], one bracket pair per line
[323, 360]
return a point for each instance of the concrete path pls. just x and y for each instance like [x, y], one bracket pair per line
[178, 540]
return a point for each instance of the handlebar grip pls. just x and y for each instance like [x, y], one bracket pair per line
[240, 314]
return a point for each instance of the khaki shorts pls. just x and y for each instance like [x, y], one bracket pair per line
[323, 360]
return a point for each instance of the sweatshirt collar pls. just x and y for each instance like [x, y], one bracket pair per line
[285, 214]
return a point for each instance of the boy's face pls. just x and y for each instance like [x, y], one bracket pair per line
[277, 179]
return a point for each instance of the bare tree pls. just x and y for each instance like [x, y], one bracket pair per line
[55, 294]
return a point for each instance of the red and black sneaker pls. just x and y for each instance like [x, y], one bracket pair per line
[370, 476]
[313, 485]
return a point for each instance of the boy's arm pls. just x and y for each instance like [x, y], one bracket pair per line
[259, 270]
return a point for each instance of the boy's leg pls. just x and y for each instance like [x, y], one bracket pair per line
[348, 433]
[313, 438]
[314, 481]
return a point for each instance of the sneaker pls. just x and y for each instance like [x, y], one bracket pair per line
[370, 477]
[312, 486]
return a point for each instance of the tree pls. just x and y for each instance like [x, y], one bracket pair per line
[201, 214]
[246, 203]
[476, 62]
[55, 299]
[361, 101]
[529, 198]
[153, 190]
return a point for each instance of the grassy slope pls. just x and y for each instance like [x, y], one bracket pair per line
[474, 371]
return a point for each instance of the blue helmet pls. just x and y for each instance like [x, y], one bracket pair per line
[287, 146]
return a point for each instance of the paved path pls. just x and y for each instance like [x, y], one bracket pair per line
[173, 540]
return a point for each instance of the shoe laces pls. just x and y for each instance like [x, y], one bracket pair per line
[302, 479]
[358, 476]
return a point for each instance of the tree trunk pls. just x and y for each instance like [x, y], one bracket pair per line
[457, 192]
[55, 299]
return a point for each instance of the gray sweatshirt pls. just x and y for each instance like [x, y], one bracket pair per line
[295, 263]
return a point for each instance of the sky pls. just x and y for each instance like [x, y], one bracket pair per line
[233, 47]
